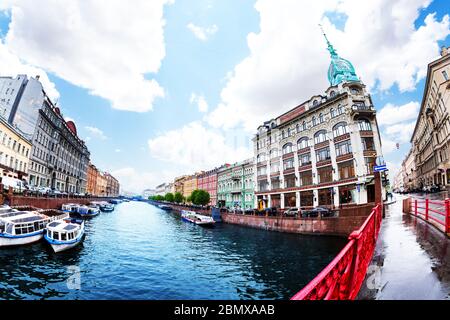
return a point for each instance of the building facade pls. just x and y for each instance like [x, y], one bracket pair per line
[15, 150]
[112, 185]
[208, 181]
[101, 185]
[409, 172]
[179, 184]
[161, 189]
[323, 151]
[235, 185]
[190, 184]
[169, 188]
[431, 137]
[59, 158]
[92, 174]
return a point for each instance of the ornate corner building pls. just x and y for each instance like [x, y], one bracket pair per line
[323, 151]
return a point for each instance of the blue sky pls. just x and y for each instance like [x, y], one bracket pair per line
[203, 52]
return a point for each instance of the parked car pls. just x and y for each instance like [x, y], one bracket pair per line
[44, 190]
[16, 184]
[320, 211]
[292, 212]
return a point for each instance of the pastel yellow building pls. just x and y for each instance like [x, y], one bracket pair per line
[15, 152]
[190, 184]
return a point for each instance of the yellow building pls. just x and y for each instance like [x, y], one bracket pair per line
[179, 184]
[190, 184]
[15, 152]
[101, 185]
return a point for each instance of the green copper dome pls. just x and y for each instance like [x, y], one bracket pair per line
[340, 69]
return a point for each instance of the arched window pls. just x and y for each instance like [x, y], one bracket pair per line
[354, 90]
[332, 94]
[313, 120]
[289, 132]
[320, 118]
[364, 125]
[320, 136]
[297, 128]
[304, 125]
[282, 135]
[315, 103]
[332, 112]
[261, 157]
[273, 153]
[340, 110]
[303, 143]
[340, 129]
[287, 148]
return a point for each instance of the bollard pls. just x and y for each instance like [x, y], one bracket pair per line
[426, 208]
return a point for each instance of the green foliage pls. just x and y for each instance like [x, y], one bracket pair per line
[169, 197]
[200, 197]
[178, 197]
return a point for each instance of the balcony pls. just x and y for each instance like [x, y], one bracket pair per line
[361, 109]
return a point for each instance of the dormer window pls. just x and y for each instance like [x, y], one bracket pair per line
[332, 94]
[354, 90]
[315, 103]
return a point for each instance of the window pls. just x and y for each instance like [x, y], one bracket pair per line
[346, 170]
[368, 143]
[273, 153]
[343, 148]
[304, 125]
[297, 128]
[315, 103]
[332, 94]
[323, 154]
[354, 90]
[340, 110]
[325, 174]
[303, 143]
[444, 74]
[370, 163]
[304, 159]
[261, 157]
[287, 148]
[307, 198]
[313, 120]
[289, 181]
[288, 164]
[340, 129]
[332, 113]
[274, 167]
[364, 125]
[262, 171]
[321, 118]
[320, 136]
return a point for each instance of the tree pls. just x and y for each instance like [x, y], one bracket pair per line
[200, 197]
[169, 197]
[189, 199]
[178, 197]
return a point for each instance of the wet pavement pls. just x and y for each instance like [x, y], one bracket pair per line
[411, 260]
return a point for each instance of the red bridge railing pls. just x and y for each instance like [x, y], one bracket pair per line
[343, 277]
[435, 211]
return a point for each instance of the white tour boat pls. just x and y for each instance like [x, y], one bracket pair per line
[70, 207]
[23, 227]
[64, 234]
[198, 219]
[88, 211]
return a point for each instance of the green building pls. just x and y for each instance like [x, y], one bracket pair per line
[235, 185]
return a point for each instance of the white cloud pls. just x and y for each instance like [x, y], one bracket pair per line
[388, 145]
[200, 101]
[202, 33]
[402, 132]
[11, 65]
[118, 150]
[195, 147]
[96, 132]
[108, 48]
[136, 181]
[288, 60]
[391, 114]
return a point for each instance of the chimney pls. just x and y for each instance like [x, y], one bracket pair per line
[37, 77]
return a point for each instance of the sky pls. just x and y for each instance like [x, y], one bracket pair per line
[163, 88]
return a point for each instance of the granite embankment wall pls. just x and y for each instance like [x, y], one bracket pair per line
[46, 202]
[348, 219]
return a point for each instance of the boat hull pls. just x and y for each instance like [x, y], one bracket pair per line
[59, 246]
[9, 241]
[199, 223]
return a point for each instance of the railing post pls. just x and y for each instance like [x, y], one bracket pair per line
[427, 204]
[355, 262]
[447, 215]
[415, 207]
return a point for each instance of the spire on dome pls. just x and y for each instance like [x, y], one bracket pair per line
[340, 70]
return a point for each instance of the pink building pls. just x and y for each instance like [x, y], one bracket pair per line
[207, 181]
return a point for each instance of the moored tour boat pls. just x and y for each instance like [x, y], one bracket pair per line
[23, 227]
[88, 211]
[70, 207]
[165, 207]
[198, 219]
[64, 234]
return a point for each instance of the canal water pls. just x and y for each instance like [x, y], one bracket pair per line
[141, 252]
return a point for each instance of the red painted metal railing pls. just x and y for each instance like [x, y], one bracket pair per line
[343, 277]
[437, 211]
